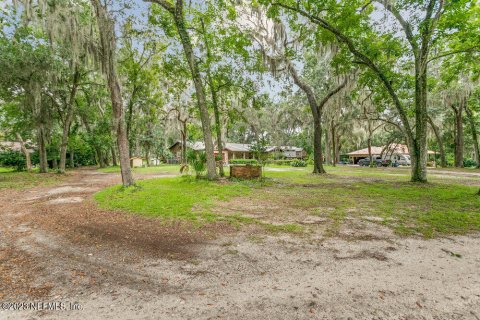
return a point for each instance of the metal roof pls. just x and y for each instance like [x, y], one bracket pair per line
[398, 149]
[238, 147]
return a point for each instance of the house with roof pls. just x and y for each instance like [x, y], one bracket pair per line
[230, 150]
[393, 152]
[15, 146]
[290, 152]
[237, 150]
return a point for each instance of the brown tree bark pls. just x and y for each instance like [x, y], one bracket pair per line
[68, 121]
[40, 116]
[177, 13]
[147, 155]
[317, 146]
[28, 161]
[328, 143]
[459, 136]
[317, 112]
[338, 147]
[213, 92]
[106, 30]
[42, 148]
[114, 156]
[334, 143]
[473, 128]
[72, 158]
[54, 163]
[438, 136]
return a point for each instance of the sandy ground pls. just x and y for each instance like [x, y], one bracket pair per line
[56, 245]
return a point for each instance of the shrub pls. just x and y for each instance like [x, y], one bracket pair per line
[469, 163]
[198, 161]
[281, 162]
[12, 159]
[244, 161]
[298, 163]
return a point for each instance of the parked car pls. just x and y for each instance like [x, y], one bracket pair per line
[404, 160]
[366, 162]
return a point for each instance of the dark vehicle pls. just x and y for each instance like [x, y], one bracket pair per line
[377, 162]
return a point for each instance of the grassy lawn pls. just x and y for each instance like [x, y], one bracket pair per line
[10, 179]
[170, 197]
[288, 197]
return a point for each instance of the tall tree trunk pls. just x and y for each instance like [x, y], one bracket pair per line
[317, 145]
[441, 148]
[328, 141]
[334, 147]
[54, 163]
[199, 88]
[100, 157]
[68, 121]
[219, 138]
[114, 156]
[418, 142]
[317, 111]
[184, 143]
[459, 136]
[147, 156]
[337, 149]
[28, 161]
[213, 92]
[130, 119]
[72, 158]
[473, 128]
[39, 111]
[369, 144]
[106, 28]
[42, 148]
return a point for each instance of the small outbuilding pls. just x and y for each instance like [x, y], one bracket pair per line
[136, 162]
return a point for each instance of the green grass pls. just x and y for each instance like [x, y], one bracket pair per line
[164, 168]
[429, 209]
[184, 198]
[177, 197]
[11, 179]
[438, 208]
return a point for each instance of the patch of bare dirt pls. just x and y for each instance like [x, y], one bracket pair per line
[18, 272]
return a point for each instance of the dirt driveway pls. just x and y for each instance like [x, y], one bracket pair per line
[57, 246]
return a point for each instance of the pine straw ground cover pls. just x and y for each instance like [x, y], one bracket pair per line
[287, 199]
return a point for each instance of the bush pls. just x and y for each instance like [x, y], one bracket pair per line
[244, 161]
[281, 162]
[12, 159]
[298, 163]
[198, 161]
[469, 163]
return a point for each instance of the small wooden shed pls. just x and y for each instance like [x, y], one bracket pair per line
[136, 162]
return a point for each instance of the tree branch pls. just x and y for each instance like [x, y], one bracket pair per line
[449, 53]
[406, 26]
[164, 3]
[342, 38]
[332, 93]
